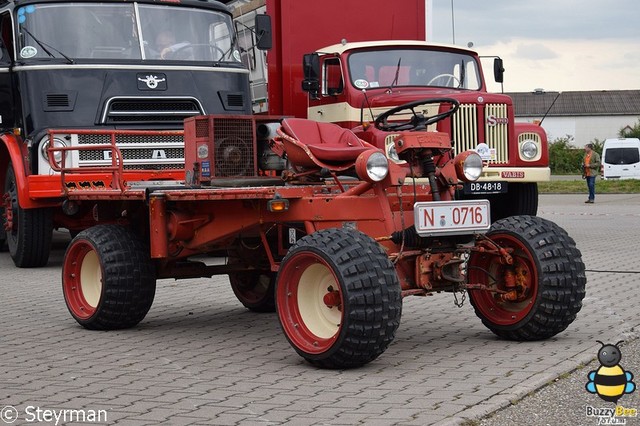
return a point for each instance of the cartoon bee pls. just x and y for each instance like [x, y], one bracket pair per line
[610, 381]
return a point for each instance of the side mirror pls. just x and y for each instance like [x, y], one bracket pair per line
[498, 70]
[263, 32]
[311, 72]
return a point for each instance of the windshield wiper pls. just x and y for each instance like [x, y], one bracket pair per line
[395, 79]
[44, 46]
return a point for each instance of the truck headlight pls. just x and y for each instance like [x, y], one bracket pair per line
[529, 150]
[57, 155]
[468, 166]
[372, 166]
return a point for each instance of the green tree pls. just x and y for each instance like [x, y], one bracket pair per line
[633, 133]
[564, 158]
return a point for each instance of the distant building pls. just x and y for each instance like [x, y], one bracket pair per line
[585, 115]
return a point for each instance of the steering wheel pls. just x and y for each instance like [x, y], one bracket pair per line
[418, 120]
[450, 79]
[175, 54]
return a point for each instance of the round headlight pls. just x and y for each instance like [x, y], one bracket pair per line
[377, 166]
[391, 152]
[57, 155]
[468, 166]
[372, 166]
[529, 150]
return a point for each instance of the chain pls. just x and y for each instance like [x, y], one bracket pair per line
[460, 303]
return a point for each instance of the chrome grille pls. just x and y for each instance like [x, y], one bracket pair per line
[149, 110]
[465, 128]
[465, 125]
[139, 152]
[497, 131]
[528, 136]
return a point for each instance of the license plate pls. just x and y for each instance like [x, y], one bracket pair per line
[486, 187]
[451, 217]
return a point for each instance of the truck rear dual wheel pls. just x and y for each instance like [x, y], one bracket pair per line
[28, 239]
[108, 279]
[338, 298]
[541, 292]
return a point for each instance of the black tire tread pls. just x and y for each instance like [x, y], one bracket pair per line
[32, 244]
[129, 280]
[524, 200]
[372, 300]
[562, 279]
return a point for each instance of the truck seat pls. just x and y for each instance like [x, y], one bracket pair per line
[322, 142]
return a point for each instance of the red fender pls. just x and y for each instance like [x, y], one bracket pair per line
[13, 150]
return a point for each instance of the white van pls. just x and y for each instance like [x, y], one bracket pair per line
[621, 159]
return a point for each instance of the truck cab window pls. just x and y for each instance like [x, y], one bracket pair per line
[98, 31]
[333, 83]
[413, 67]
[6, 44]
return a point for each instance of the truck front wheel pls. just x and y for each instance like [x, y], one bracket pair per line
[28, 232]
[338, 298]
[108, 280]
[537, 295]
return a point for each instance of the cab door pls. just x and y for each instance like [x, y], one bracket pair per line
[7, 110]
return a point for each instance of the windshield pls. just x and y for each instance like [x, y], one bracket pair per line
[413, 67]
[124, 31]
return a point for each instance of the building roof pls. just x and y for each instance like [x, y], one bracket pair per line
[579, 103]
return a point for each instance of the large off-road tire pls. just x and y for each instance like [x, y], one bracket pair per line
[548, 274]
[338, 298]
[108, 279]
[29, 237]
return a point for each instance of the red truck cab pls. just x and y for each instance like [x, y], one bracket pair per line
[378, 65]
[351, 84]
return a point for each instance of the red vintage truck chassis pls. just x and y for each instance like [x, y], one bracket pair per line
[332, 242]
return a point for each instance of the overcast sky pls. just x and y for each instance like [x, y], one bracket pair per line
[557, 45]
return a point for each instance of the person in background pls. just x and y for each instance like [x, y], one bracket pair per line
[590, 168]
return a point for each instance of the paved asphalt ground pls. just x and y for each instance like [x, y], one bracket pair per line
[200, 358]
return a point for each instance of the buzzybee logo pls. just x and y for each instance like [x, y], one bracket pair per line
[610, 381]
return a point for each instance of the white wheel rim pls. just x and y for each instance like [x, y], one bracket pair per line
[322, 320]
[91, 279]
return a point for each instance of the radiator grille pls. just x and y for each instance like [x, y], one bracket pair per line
[234, 152]
[497, 130]
[135, 110]
[139, 152]
[466, 123]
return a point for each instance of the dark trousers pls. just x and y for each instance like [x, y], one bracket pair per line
[591, 184]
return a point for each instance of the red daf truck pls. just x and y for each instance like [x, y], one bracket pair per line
[348, 68]
[94, 66]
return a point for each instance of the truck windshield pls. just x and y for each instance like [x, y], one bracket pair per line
[413, 67]
[124, 31]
